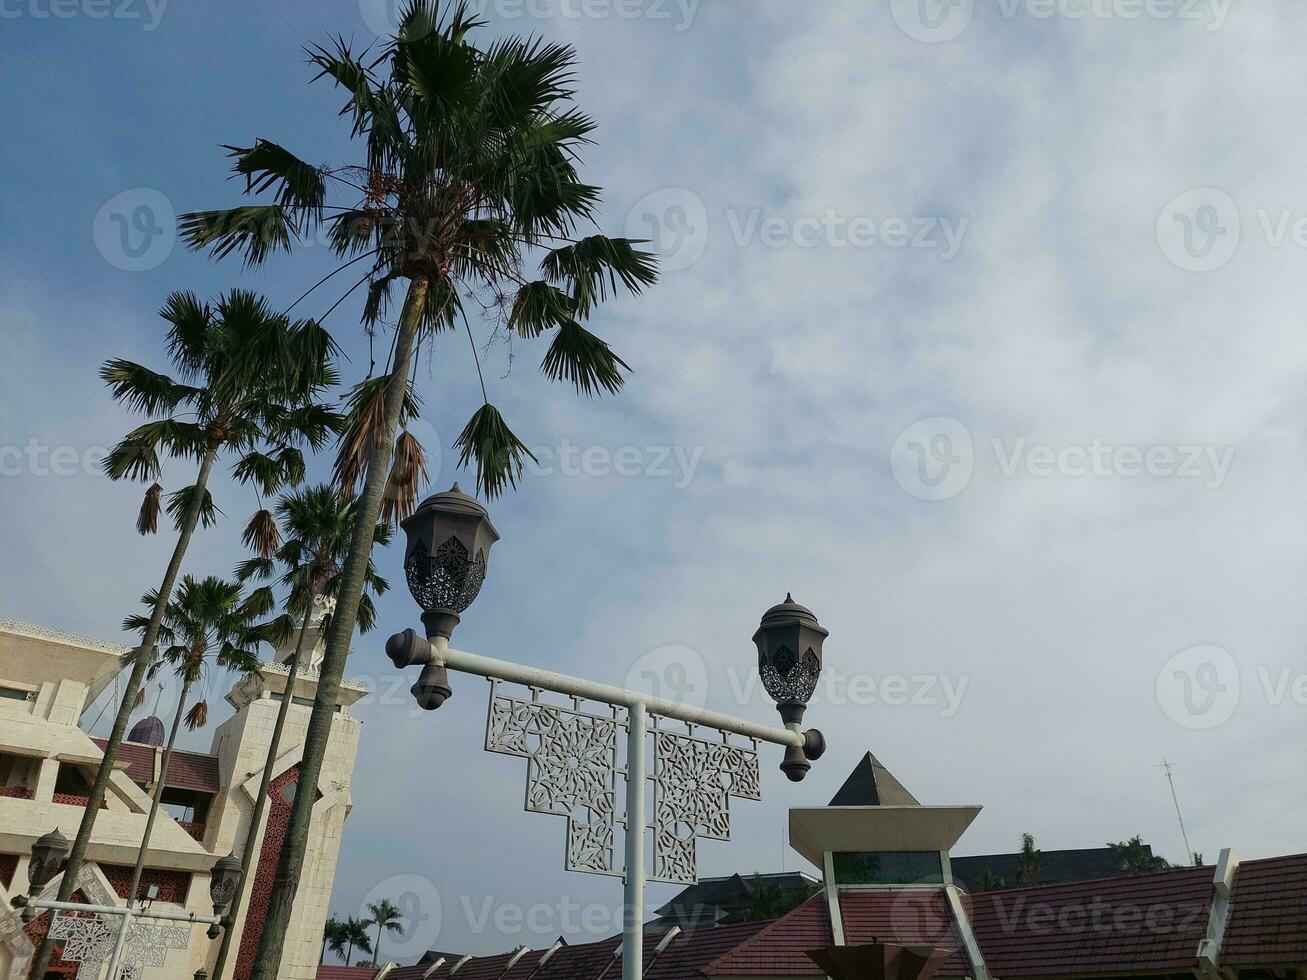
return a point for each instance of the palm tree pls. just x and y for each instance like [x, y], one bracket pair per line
[385, 915]
[206, 619]
[356, 934]
[770, 901]
[247, 383]
[1134, 857]
[334, 938]
[468, 171]
[315, 529]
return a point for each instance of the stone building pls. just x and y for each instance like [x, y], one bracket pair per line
[47, 762]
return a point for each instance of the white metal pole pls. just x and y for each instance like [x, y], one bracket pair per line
[120, 941]
[633, 899]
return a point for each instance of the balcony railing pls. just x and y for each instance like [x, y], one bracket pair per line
[72, 799]
[193, 827]
[17, 792]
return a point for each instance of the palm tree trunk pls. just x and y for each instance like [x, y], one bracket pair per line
[144, 654]
[157, 795]
[261, 798]
[349, 955]
[376, 950]
[291, 865]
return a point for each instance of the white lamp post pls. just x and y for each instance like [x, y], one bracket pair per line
[572, 753]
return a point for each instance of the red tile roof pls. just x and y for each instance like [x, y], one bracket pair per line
[348, 972]
[186, 770]
[139, 759]
[1149, 923]
[779, 948]
[1268, 913]
[905, 918]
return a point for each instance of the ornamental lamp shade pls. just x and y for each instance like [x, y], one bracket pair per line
[789, 641]
[224, 878]
[449, 541]
[47, 860]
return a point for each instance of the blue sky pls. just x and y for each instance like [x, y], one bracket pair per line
[981, 332]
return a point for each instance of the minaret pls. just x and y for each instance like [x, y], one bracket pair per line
[241, 743]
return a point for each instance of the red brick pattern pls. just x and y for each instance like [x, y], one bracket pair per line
[347, 972]
[1268, 914]
[173, 885]
[73, 799]
[17, 792]
[193, 770]
[193, 827]
[265, 873]
[139, 759]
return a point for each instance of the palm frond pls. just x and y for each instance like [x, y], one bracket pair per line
[147, 519]
[408, 474]
[300, 187]
[365, 428]
[539, 306]
[499, 454]
[578, 356]
[255, 231]
[261, 534]
[592, 268]
[179, 502]
[197, 717]
[141, 389]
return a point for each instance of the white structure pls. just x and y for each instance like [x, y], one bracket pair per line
[47, 679]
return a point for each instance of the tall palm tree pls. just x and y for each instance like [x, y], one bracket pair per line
[468, 176]
[208, 620]
[333, 938]
[356, 934]
[1134, 857]
[247, 383]
[384, 915]
[316, 523]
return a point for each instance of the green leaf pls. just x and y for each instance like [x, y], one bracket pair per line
[539, 306]
[499, 454]
[592, 267]
[578, 356]
[255, 231]
[269, 166]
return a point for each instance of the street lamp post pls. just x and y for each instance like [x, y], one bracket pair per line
[572, 753]
[93, 940]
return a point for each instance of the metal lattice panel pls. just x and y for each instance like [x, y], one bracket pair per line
[88, 941]
[694, 780]
[571, 770]
[449, 579]
[791, 678]
[148, 944]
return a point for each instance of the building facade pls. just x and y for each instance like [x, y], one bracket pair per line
[47, 764]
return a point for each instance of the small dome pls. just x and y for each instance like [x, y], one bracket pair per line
[147, 731]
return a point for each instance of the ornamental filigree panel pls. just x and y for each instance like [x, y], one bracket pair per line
[571, 771]
[694, 780]
[789, 677]
[88, 941]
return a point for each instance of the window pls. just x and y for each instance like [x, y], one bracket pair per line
[888, 868]
[14, 694]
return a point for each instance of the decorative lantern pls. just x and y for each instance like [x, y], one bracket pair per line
[789, 641]
[224, 879]
[449, 541]
[49, 854]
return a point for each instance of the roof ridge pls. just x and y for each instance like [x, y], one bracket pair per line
[1209, 868]
[61, 636]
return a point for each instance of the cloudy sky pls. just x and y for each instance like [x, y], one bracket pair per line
[979, 332]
